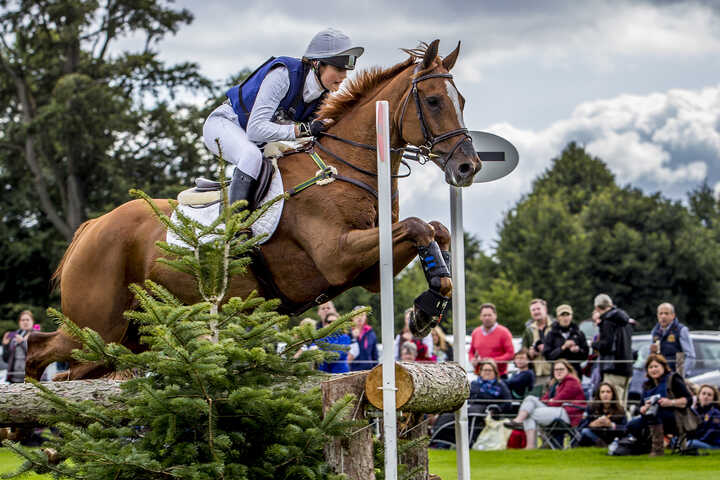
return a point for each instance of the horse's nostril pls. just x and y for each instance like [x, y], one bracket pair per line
[464, 168]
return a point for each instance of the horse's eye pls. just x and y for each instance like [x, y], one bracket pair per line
[432, 101]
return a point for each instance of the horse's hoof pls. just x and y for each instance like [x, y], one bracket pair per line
[428, 311]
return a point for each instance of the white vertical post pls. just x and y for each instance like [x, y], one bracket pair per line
[382, 122]
[457, 248]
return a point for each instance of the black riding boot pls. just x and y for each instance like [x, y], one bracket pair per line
[240, 187]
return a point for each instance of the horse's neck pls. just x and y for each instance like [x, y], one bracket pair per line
[359, 124]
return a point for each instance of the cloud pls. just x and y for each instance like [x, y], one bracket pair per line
[663, 141]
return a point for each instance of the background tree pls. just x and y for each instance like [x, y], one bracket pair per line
[82, 121]
[577, 233]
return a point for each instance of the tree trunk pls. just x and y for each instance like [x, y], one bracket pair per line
[422, 387]
[352, 456]
[414, 428]
[21, 403]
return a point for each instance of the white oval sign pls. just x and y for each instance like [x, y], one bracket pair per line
[499, 157]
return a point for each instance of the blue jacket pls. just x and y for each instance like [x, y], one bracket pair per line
[709, 430]
[339, 365]
[368, 353]
[292, 106]
[673, 340]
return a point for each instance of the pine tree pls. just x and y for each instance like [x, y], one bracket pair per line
[219, 393]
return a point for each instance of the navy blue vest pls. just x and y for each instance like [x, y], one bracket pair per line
[292, 106]
[669, 342]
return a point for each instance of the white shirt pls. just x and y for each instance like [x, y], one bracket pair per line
[274, 87]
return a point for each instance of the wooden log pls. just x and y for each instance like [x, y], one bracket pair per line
[352, 456]
[422, 387]
[21, 403]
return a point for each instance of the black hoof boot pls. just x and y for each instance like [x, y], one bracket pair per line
[429, 309]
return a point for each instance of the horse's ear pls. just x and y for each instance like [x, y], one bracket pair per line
[430, 54]
[449, 61]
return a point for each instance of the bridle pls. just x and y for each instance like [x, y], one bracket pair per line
[419, 154]
[430, 141]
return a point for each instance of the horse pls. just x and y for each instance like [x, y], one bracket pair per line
[327, 240]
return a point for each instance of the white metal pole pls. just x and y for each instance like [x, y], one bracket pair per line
[382, 122]
[462, 442]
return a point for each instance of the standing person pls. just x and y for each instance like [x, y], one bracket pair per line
[564, 391]
[15, 347]
[364, 343]
[671, 337]
[340, 364]
[614, 345]
[277, 102]
[324, 309]
[566, 340]
[491, 341]
[441, 347]
[424, 345]
[534, 339]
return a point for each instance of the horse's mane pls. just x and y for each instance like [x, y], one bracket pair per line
[336, 105]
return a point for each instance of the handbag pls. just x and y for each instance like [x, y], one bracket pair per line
[685, 418]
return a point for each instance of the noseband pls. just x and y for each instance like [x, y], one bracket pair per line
[430, 141]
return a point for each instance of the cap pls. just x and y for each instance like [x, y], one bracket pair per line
[564, 308]
[331, 44]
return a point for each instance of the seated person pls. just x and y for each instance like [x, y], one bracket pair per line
[424, 345]
[522, 380]
[408, 352]
[488, 388]
[664, 395]
[707, 435]
[604, 418]
[564, 391]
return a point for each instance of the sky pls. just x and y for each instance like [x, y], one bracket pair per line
[635, 82]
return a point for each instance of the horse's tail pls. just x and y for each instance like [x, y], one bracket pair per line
[55, 279]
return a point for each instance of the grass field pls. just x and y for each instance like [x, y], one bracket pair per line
[580, 464]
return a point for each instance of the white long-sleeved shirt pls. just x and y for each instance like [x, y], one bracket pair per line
[260, 127]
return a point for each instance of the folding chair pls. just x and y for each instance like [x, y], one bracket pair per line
[553, 435]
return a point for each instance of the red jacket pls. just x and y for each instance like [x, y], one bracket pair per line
[568, 391]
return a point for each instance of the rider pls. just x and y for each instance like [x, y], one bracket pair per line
[276, 102]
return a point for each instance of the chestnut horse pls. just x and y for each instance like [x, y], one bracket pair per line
[327, 240]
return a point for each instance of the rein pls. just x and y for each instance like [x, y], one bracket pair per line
[328, 174]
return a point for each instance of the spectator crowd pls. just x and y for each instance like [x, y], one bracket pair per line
[563, 385]
[546, 393]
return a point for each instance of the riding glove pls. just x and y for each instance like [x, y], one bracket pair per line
[311, 129]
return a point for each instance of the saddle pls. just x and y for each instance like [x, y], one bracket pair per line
[209, 192]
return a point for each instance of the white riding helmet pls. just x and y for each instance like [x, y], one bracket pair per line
[333, 47]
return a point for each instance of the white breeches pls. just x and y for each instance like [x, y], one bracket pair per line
[223, 124]
[541, 414]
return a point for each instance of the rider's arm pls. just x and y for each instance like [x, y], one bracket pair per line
[273, 89]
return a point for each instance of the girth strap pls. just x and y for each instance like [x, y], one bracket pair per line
[269, 288]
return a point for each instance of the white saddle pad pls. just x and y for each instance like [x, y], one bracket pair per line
[267, 223]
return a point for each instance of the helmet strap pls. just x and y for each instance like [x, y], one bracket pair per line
[316, 68]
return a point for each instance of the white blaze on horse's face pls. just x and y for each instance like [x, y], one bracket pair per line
[455, 98]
